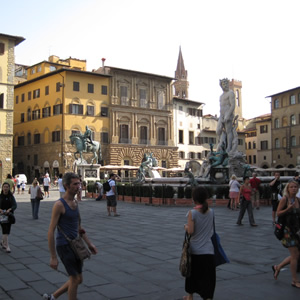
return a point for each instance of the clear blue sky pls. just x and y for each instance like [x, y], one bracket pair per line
[254, 41]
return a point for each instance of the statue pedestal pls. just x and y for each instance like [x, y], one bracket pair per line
[89, 172]
[236, 164]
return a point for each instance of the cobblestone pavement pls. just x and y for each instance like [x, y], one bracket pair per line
[139, 255]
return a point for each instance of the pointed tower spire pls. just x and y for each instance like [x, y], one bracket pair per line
[181, 85]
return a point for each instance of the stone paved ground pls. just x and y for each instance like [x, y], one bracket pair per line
[139, 255]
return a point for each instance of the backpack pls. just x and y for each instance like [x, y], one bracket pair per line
[106, 186]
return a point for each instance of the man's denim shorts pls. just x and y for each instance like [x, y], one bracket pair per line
[72, 264]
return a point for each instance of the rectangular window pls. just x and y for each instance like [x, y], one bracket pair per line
[161, 136]
[35, 159]
[75, 109]
[198, 126]
[47, 90]
[17, 99]
[199, 155]
[58, 86]
[90, 88]
[192, 155]
[180, 134]
[21, 140]
[254, 159]
[1, 100]
[263, 128]
[104, 111]
[29, 95]
[36, 93]
[104, 137]
[90, 110]
[240, 142]
[249, 159]
[124, 96]
[144, 135]
[39, 69]
[104, 90]
[293, 99]
[124, 134]
[36, 114]
[197, 140]
[57, 109]
[2, 48]
[55, 136]
[46, 112]
[22, 118]
[76, 86]
[181, 154]
[264, 145]
[143, 99]
[23, 98]
[191, 138]
[37, 138]
[180, 108]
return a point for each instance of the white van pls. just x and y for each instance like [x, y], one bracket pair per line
[22, 177]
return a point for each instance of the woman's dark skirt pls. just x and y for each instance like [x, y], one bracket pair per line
[203, 276]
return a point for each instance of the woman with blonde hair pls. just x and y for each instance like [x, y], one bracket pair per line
[203, 268]
[234, 189]
[35, 202]
[289, 206]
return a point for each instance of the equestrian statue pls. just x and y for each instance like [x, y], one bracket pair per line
[85, 144]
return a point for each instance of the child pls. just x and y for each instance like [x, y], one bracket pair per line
[23, 187]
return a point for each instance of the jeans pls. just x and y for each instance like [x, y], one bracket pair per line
[246, 205]
[35, 204]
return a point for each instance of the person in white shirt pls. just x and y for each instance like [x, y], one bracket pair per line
[46, 183]
[61, 186]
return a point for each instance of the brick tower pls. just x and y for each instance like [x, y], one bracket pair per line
[181, 85]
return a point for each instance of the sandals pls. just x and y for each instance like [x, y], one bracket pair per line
[294, 284]
[275, 271]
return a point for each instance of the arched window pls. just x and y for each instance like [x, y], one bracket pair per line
[293, 120]
[277, 144]
[276, 123]
[249, 145]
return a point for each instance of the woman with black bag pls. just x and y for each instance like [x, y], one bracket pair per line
[203, 269]
[289, 206]
[7, 207]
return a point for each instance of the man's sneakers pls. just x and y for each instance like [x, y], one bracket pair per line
[48, 297]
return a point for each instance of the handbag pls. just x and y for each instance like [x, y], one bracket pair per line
[220, 255]
[280, 226]
[39, 194]
[4, 219]
[11, 218]
[78, 246]
[185, 260]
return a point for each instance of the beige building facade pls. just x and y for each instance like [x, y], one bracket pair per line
[285, 109]
[141, 119]
[7, 65]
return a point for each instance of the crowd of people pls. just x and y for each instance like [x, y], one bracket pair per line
[243, 196]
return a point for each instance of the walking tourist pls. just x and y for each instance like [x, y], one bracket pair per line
[200, 226]
[255, 196]
[234, 189]
[46, 183]
[289, 206]
[11, 183]
[276, 194]
[18, 182]
[245, 193]
[60, 186]
[7, 206]
[65, 214]
[111, 196]
[35, 201]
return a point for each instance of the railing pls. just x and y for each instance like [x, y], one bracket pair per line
[125, 141]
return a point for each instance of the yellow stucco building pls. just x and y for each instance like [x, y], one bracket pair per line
[59, 98]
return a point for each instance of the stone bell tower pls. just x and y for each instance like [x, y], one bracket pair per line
[181, 84]
[236, 86]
